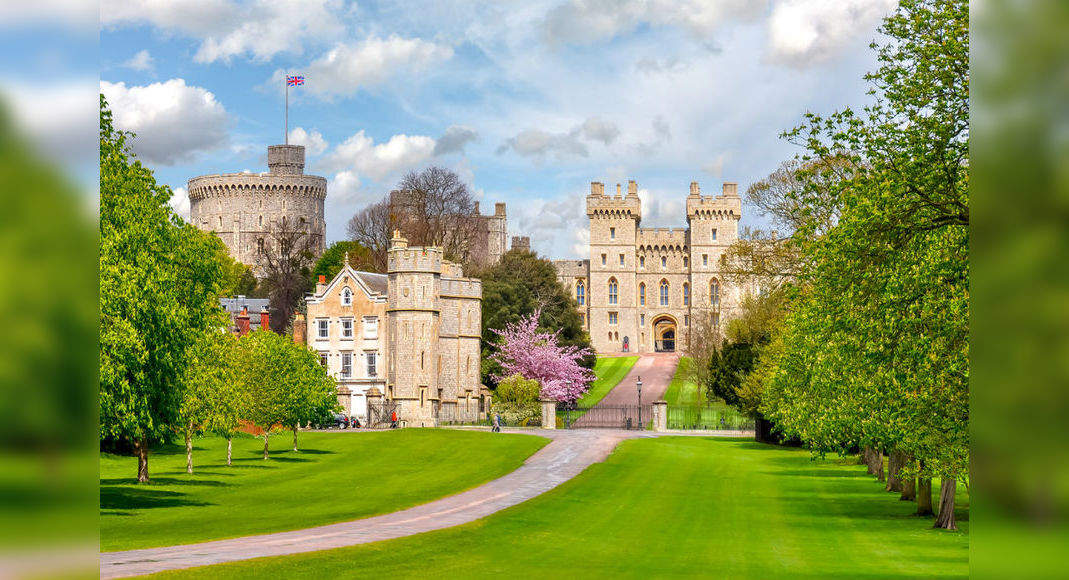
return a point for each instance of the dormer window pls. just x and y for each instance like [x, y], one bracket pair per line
[346, 297]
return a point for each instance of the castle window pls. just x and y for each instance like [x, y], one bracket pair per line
[612, 233]
[716, 320]
[261, 221]
[580, 293]
[371, 327]
[705, 259]
[603, 259]
[613, 317]
[346, 297]
[346, 327]
[322, 328]
[714, 234]
[346, 365]
[372, 363]
[324, 359]
[612, 291]
[686, 294]
[621, 259]
[421, 357]
[664, 292]
[686, 261]
[686, 320]
[642, 261]
[642, 294]
[664, 262]
[642, 319]
[714, 294]
[220, 221]
[260, 245]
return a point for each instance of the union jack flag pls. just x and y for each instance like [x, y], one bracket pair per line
[294, 80]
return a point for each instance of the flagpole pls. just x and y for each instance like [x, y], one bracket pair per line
[286, 134]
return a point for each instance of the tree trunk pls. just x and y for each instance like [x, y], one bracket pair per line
[909, 489]
[266, 435]
[877, 457]
[924, 496]
[229, 448]
[947, 488]
[894, 466]
[189, 448]
[866, 456]
[294, 438]
[141, 445]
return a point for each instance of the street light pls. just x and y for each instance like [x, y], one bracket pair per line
[638, 385]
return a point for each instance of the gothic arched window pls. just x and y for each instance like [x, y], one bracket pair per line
[714, 294]
[642, 294]
[686, 294]
[580, 293]
[664, 292]
[612, 290]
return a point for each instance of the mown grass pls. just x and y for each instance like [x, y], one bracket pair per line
[683, 391]
[334, 477]
[609, 371]
[669, 507]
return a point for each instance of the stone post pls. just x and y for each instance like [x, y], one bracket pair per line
[374, 397]
[660, 416]
[549, 414]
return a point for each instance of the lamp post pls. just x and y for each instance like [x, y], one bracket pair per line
[638, 385]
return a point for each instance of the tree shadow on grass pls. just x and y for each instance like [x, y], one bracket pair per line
[135, 498]
[159, 480]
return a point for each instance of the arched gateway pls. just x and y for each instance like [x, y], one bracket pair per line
[664, 333]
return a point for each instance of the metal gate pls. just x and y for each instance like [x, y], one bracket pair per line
[606, 416]
[380, 415]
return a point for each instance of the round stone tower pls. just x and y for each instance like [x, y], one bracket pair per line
[247, 210]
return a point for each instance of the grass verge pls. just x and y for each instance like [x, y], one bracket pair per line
[609, 371]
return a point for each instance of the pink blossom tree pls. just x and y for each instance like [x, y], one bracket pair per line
[538, 355]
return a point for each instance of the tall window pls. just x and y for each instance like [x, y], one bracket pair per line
[716, 320]
[372, 364]
[613, 317]
[714, 294]
[642, 261]
[603, 259]
[580, 293]
[371, 327]
[686, 294]
[347, 328]
[612, 290]
[621, 259]
[642, 319]
[705, 259]
[324, 359]
[686, 261]
[664, 292]
[346, 365]
[642, 294]
[664, 262]
[323, 328]
[346, 297]
[612, 233]
[714, 234]
[260, 245]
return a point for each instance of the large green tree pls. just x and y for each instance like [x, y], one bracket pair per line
[160, 280]
[520, 283]
[211, 398]
[874, 349]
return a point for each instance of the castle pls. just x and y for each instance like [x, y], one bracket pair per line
[486, 238]
[642, 288]
[246, 209]
[409, 339]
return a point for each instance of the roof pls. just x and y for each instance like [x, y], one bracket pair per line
[375, 282]
[235, 304]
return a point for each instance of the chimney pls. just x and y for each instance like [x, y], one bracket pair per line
[241, 322]
[321, 285]
[617, 190]
[499, 209]
[597, 188]
[695, 191]
[731, 189]
[632, 187]
[476, 208]
[265, 322]
[300, 330]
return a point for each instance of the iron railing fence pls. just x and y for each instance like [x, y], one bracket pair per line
[605, 416]
[703, 417]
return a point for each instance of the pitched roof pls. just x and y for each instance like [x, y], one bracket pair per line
[375, 282]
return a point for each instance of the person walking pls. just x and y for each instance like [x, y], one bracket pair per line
[497, 423]
[393, 420]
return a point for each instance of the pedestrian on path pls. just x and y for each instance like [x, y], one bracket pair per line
[393, 420]
[497, 423]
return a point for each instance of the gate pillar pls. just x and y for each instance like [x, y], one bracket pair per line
[374, 397]
[549, 414]
[660, 416]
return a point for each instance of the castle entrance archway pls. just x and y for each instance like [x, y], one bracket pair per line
[664, 334]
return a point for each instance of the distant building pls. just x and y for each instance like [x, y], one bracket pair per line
[245, 209]
[246, 314]
[490, 239]
[412, 335]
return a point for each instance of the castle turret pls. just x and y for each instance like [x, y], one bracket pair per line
[614, 223]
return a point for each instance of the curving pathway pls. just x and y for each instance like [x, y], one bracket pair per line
[568, 454]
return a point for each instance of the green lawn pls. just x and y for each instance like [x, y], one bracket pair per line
[335, 477]
[610, 371]
[682, 391]
[669, 507]
[684, 411]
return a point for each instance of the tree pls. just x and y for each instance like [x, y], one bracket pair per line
[433, 207]
[238, 278]
[283, 384]
[160, 280]
[332, 260]
[535, 354]
[520, 283]
[286, 257]
[516, 399]
[372, 228]
[210, 398]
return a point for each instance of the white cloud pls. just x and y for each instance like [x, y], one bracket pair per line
[359, 153]
[808, 31]
[597, 129]
[142, 61]
[539, 143]
[60, 118]
[454, 139]
[313, 141]
[553, 224]
[344, 187]
[79, 15]
[590, 21]
[347, 68]
[180, 202]
[260, 29]
[716, 166]
[174, 122]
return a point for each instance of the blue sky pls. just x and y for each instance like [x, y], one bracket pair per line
[528, 101]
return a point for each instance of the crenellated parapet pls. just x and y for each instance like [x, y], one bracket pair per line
[619, 206]
[726, 206]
